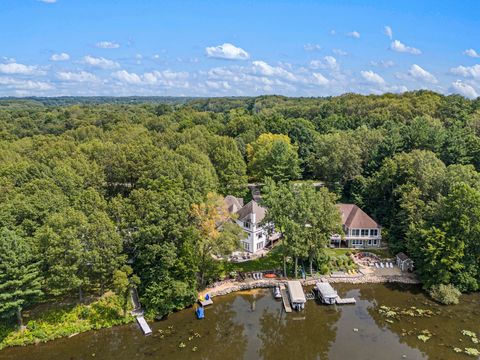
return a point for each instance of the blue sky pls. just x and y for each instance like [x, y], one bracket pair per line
[218, 48]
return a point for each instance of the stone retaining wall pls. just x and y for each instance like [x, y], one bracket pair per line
[233, 286]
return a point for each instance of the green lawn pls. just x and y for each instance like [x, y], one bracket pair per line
[272, 260]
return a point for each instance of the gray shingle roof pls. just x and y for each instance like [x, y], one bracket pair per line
[252, 208]
[354, 217]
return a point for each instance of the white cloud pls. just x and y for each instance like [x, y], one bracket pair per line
[16, 68]
[48, 1]
[466, 90]
[312, 47]
[24, 84]
[383, 63]
[166, 78]
[339, 52]
[227, 51]
[82, 76]
[60, 57]
[107, 45]
[261, 67]
[467, 71]
[129, 78]
[218, 85]
[100, 62]
[328, 62]
[387, 30]
[320, 79]
[398, 46]
[372, 77]
[421, 74]
[472, 53]
[354, 34]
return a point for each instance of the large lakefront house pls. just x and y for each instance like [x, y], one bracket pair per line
[361, 231]
[249, 217]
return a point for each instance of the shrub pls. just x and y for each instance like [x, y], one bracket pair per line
[445, 294]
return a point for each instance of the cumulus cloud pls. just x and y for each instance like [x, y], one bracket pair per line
[16, 68]
[383, 63]
[339, 52]
[387, 30]
[464, 89]
[60, 57]
[166, 78]
[467, 71]
[218, 85]
[48, 1]
[20, 84]
[354, 34]
[420, 74]
[472, 53]
[320, 79]
[311, 47]
[227, 51]
[328, 62]
[398, 46]
[261, 67]
[107, 45]
[372, 77]
[82, 76]
[100, 62]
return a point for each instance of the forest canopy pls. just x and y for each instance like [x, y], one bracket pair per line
[90, 187]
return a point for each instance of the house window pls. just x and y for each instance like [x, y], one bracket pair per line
[246, 224]
[260, 235]
[246, 246]
[373, 232]
[357, 242]
[260, 245]
[375, 242]
[364, 232]
[370, 242]
[355, 232]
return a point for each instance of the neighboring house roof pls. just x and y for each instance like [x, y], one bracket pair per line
[354, 217]
[233, 203]
[252, 208]
[402, 256]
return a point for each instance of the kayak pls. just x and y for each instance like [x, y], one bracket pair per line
[270, 276]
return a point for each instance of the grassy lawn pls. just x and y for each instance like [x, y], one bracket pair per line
[338, 251]
[272, 260]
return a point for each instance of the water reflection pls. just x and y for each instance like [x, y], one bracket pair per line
[253, 325]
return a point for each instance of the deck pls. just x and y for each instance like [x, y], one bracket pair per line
[206, 302]
[345, 301]
[286, 301]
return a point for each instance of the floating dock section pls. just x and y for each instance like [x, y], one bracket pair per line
[143, 325]
[345, 301]
[286, 302]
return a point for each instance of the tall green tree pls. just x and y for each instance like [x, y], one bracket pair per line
[20, 278]
[274, 156]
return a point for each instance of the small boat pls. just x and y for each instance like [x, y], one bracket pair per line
[200, 312]
[276, 292]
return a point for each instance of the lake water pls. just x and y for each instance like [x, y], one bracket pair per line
[253, 325]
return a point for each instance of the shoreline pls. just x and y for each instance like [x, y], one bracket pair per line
[231, 286]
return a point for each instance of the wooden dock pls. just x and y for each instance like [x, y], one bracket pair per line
[345, 301]
[286, 301]
[144, 325]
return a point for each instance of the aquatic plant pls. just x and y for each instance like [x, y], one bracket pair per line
[471, 335]
[472, 352]
[445, 294]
